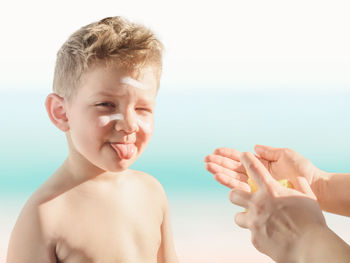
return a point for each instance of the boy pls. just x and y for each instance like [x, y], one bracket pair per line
[93, 208]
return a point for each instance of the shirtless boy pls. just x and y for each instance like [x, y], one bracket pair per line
[93, 208]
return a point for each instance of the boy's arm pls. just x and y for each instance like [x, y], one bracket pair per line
[335, 188]
[166, 252]
[28, 242]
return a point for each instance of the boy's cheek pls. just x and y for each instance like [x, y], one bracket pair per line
[145, 137]
[143, 140]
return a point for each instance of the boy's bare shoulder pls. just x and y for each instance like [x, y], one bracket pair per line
[146, 178]
[150, 182]
[40, 211]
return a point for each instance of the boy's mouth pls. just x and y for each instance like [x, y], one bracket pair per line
[124, 150]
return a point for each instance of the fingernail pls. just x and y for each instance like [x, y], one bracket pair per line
[241, 155]
[257, 147]
[231, 195]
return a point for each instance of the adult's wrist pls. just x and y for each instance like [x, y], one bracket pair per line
[310, 243]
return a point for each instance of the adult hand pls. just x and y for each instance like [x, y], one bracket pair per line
[227, 169]
[279, 218]
[282, 163]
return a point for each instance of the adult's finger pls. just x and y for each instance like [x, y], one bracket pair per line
[258, 171]
[305, 187]
[268, 153]
[241, 219]
[241, 198]
[215, 169]
[231, 182]
[229, 153]
[225, 162]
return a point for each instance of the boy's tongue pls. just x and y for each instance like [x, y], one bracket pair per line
[125, 151]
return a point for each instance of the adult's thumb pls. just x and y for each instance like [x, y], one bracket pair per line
[267, 152]
[305, 187]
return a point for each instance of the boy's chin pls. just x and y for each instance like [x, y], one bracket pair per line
[121, 165]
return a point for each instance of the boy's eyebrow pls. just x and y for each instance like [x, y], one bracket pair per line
[105, 94]
[144, 100]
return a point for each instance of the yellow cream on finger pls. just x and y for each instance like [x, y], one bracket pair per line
[253, 186]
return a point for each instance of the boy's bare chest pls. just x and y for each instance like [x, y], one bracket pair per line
[115, 229]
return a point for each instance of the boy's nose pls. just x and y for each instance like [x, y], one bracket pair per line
[128, 124]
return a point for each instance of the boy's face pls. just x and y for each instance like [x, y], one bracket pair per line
[111, 116]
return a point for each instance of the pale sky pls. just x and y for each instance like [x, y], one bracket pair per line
[272, 44]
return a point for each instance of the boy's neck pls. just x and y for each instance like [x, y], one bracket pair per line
[80, 171]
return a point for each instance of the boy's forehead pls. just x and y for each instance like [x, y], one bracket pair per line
[105, 80]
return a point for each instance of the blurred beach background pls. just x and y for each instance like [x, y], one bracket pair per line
[235, 74]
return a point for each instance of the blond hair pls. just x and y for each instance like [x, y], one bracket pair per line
[110, 40]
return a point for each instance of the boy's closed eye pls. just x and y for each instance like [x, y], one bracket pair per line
[144, 109]
[106, 104]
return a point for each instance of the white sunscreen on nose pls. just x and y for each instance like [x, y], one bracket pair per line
[132, 82]
[104, 120]
[146, 127]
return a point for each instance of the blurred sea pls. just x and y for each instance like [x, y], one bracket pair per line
[188, 126]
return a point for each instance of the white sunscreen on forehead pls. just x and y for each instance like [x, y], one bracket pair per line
[104, 120]
[133, 82]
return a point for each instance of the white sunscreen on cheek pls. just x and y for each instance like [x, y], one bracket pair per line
[134, 83]
[104, 120]
[146, 127]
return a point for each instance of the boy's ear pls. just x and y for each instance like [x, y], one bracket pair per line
[55, 107]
